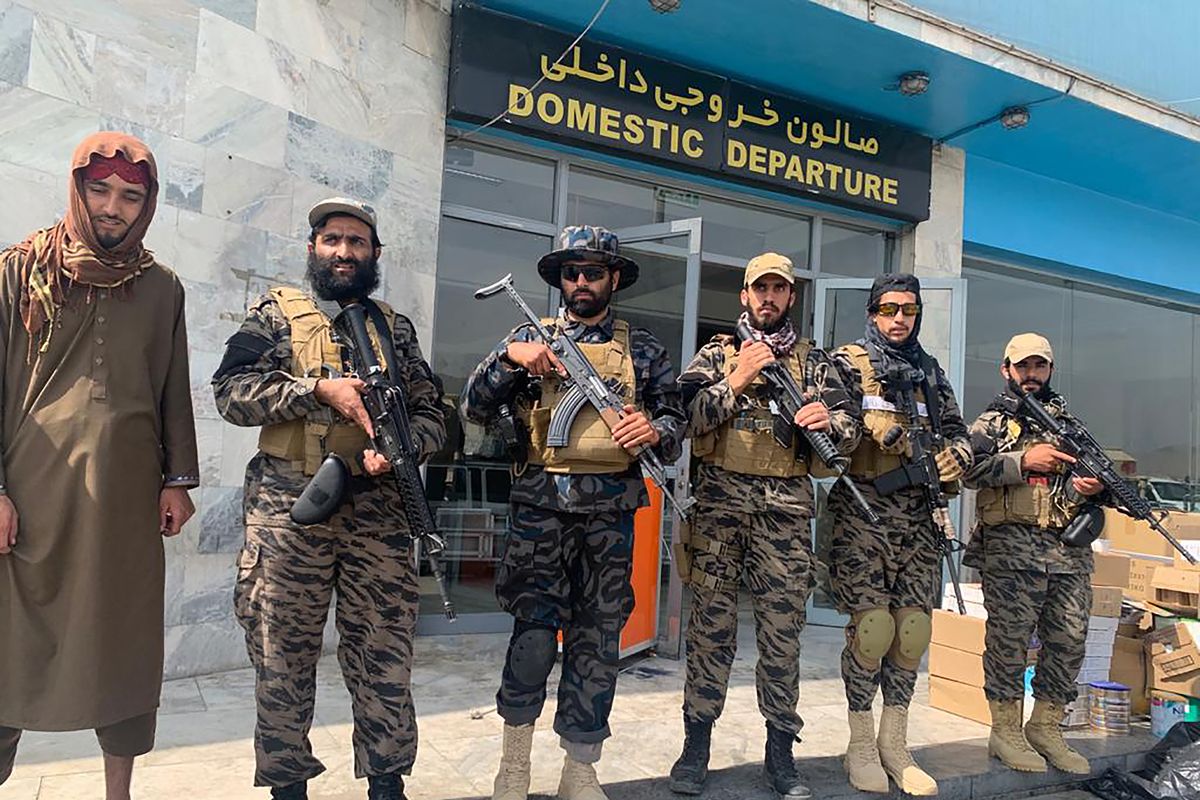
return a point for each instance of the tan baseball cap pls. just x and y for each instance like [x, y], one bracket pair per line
[1024, 345]
[341, 205]
[769, 264]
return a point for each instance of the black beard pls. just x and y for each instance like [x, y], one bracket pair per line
[782, 320]
[327, 285]
[587, 307]
[1042, 393]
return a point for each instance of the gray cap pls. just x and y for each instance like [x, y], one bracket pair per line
[341, 205]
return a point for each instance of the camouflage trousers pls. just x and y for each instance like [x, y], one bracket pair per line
[891, 567]
[287, 577]
[1020, 603]
[771, 552]
[566, 572]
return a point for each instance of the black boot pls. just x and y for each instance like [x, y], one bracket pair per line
[293, 791]
[780, 768]
[691, 770]
[385, 787]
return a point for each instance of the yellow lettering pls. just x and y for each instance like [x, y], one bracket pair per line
[795, 169]
[581, 116]
[693, 143]
[854, 182]
[758, 159]
[674, 139]
[610, 122]
[891, 188]
[550, 108]
[871, 187]
[835, 171]
[520, 101]
[816, 173]
[777, 159]
[735, 154]
[634, 132]
[657, 126]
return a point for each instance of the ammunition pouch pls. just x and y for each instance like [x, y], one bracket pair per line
[1085, 527]
[324, 493]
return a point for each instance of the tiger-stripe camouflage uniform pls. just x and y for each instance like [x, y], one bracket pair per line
[567, 562]
[886, 577]
[1033, 582]
[288, 573]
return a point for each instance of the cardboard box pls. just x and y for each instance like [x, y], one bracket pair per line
[1112, 569]
[1129, 667]
[953, 630]
[977, 610]
[1106, 625]
[1141, 570]
[1193, 548]
[1177, 588]
[959, 698]
[956, 665]
[1174, 660]
[1132, 536]
[1106, 601]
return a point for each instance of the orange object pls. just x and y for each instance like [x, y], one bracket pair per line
[641, 629]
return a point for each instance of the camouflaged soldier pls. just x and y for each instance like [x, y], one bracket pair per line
[283, 371]
[886, 577]
[567, 563]
[754, 505]
[1032, 580]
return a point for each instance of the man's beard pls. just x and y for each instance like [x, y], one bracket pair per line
[328, 285]
[777, 324]
[1042, 392]
[589, 305]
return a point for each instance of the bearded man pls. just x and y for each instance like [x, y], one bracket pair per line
[99, 451]
[283, 371]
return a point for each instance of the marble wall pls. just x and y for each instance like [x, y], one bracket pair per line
[255, 109]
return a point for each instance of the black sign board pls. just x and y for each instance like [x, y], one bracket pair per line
[614, 99]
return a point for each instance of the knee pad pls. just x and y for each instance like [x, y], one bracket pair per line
[913, 630]
[874, 630]
[532, 653]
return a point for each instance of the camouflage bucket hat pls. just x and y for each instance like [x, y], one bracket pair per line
[587, 243]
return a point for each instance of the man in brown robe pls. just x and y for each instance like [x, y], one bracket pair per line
[97, 454]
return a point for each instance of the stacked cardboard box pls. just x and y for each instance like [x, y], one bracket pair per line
[956, 665]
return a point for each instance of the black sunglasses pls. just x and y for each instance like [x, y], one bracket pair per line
[591, 272]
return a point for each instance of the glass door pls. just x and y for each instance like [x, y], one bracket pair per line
[665, 301]
[839, 317]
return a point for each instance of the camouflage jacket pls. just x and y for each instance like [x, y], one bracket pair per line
[254, 386]
[494, 383]
[954, 429]
[711, 403]
[998, 454]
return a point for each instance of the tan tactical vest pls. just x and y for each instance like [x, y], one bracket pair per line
[590, 449]
[306, 441]
[745, 443]
[868, 461]
[1030, 503]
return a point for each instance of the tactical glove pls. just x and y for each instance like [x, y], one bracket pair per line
[951, 465]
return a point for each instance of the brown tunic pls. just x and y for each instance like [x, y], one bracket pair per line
[91, 432]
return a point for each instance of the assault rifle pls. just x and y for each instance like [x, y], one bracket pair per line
[1092, 462]
[921, 468]
[584, 385]
[386, 406]
[788, 397]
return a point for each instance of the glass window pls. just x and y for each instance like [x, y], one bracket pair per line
[507, 183]
[742, 232]
[593, 199]
[852, 252]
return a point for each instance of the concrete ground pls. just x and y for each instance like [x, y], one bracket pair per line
[205, 749]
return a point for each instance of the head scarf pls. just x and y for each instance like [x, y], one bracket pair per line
[67, 253]
[910, 350]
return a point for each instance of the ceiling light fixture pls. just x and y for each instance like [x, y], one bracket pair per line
[1014, 117]
[912, 84]
[665, 6]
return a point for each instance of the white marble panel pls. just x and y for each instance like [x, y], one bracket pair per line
[43, 201]
[208, 438]
[160, 239]
[306, 194]
[238, 446]
[346, 165]
[329, 31]
[176, 558]
[180, 162]
[411, 294]
[242, 191]
[223, 304]
[338, 100]
[427, 30]
[408, 108]
[242, 12]
[62, 60]
[224, 118]
[16, 35]
[383, 31]
[206, 647]
[286, 258]
[40, 131]
[215, 251]
[241, 58]
[130, 84]
[221, 527]
[203, 363]
[208, 588]
[166, 29]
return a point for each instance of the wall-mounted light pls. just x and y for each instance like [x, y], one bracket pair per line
[665, 6]
[913, 83]
[1014, 117]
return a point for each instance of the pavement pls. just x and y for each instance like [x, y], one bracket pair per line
[205, 728]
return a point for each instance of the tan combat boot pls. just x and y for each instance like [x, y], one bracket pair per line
[579, 782]
[512, 779]
[1007, 741]
[862, 755]
[897, 761]
[1044, 733]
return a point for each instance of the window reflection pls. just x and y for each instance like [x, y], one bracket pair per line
[852, 252]
[507, 183]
